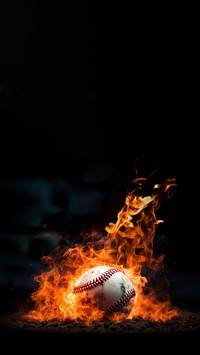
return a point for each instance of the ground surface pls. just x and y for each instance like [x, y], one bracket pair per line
[183, 332]
[187, 321]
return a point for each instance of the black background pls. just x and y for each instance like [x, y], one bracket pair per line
[95, 94]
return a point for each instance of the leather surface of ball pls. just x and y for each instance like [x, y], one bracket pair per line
[109, 288]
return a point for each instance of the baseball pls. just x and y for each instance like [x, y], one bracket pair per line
[108, 288]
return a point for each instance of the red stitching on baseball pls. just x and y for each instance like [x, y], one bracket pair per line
[121, 302]
[96, 282]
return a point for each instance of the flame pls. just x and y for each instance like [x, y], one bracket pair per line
[128, 245]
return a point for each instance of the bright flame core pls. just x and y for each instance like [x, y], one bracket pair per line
[128, 245]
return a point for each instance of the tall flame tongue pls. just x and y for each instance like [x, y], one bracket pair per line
[128, 245]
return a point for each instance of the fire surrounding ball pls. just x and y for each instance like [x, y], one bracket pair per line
[108, 288]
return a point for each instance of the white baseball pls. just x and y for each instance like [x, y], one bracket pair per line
[108, 286]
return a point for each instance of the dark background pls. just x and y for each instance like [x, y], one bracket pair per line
[93, 95]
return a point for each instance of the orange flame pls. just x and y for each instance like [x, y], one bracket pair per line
[128, 245]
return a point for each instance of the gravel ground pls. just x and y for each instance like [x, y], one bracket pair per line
[182, 333]
[187, 321]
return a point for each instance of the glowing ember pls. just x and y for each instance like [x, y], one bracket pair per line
[127, 246]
